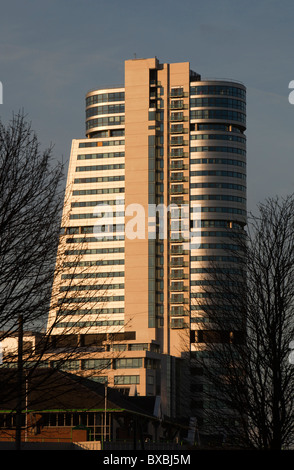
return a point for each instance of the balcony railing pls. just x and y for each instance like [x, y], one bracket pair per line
[177, 92]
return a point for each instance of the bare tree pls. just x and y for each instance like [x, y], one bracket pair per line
[244, 377]
[33, 255]
[31, 197]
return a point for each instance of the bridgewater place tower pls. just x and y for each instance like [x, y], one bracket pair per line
[153, 191]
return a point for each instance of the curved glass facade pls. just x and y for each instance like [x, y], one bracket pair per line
[110, 107]
[217, 183]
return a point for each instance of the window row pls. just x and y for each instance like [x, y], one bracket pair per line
[224, 308]
[107, 133]
[218, 114]
[99, 179]
[229, 210]
[115, 166]
[215, 223]
[106, 109]
[105, 143]
[105, 121]
[94, 311]
[92, 156]
[201, 295]
[217, 161]
[87, 192]
[128, 363]
[95, 251]
[103, 230]
[94, 216]
[218, 197]
[134, 347]
[103, 287]
[235, 187]
[94, 364]
[103, 262]
[105, 97]
[218, 223]
[216, 127]
[232, 174]
[126, 379]
[199, 320]
[233, 138]
[217, 246]
[215, 282]
[106, 202]
[206, 148]
[217, 90]
[228, 234]
[217, 102]
[77, 230]
[216, 271]
[112, 298]
[88, 324]
[93, 275]
[230, 259]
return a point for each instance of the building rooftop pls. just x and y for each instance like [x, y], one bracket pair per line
[55, 390]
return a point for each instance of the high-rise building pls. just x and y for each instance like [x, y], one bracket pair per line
[152, 193]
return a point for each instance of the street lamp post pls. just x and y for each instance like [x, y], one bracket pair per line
[19, 383]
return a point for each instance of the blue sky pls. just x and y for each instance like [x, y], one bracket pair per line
[53, 52]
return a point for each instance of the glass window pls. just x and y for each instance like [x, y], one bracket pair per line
[126, 379]
[128, 363]
[218, 90]
[96, 364]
